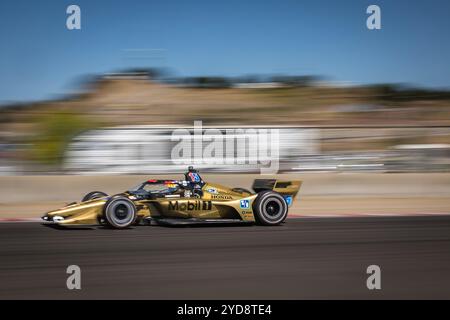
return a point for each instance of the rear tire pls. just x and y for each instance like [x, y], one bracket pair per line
[119, 212]
[94, 195]
[270, 208]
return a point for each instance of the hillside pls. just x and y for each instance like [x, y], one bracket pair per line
[128, 101]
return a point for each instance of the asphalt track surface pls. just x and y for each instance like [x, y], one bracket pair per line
[305, 258]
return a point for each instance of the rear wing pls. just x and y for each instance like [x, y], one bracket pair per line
[287, 188]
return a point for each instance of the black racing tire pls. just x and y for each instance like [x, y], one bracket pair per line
[270, 208]
[94, 195]
[119, 212]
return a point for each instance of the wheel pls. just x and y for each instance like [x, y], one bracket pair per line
[94, 195]
[270, 208]
[119, 212]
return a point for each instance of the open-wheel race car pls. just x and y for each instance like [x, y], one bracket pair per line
[175, 202]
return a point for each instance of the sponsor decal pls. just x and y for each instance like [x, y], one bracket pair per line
[288, 200]
[245, 204]
[196, 205]
[212, 190]
[194, 177]
[221, 197]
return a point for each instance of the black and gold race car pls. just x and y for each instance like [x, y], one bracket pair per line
[175, 202]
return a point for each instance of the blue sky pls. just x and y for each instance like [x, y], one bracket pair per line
[41, 59]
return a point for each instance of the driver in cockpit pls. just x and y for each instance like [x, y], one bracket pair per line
[193, 182]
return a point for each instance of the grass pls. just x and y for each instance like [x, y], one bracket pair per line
[54, 132]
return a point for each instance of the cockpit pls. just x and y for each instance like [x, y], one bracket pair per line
[190, 187]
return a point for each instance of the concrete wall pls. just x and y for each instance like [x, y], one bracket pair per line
[15, 189]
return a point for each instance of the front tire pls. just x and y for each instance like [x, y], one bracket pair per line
[270, 208]
[119, 212]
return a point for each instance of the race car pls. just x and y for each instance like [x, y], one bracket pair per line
[181, 202]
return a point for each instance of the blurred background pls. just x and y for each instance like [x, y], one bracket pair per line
[104, 100]
[363, 118]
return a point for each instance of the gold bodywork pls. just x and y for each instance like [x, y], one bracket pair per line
[217, 202]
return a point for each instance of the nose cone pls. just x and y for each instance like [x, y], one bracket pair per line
[54, 216]
[88, 211]
[59, 212]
